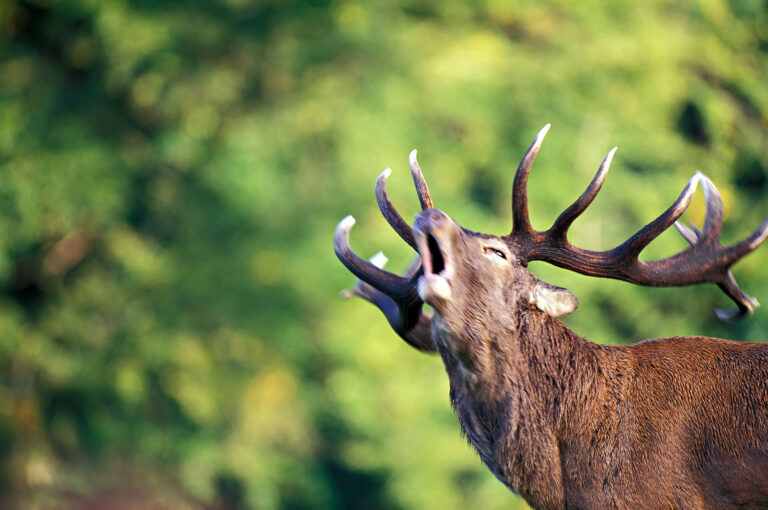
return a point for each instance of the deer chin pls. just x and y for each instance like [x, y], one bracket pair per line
[433, 289]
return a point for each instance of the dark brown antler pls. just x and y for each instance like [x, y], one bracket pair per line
[706, 260]
[396, 296]
[388, 210]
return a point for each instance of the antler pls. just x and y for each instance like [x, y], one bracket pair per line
[706, 260]
[396, 296]
[388, 210]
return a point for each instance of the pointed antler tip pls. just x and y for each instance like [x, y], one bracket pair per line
[688, 234]
[694, 181]
[684, 200]
[760, 234]
[701, 178]
[418, 179]
[346, 223]
[736, 313]
[385, 174]
[543, 132]
[709, 188]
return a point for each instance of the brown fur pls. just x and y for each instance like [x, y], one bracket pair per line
[667, 423]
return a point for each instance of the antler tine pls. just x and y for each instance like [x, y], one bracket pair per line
[691, 234]
[364, 290]
[632, 247]
[746, 303]
[565, 220]
[390, 213]
[711, 236]
[418, 179]
[386, 282]
[520, 221]
[402, 312]
[740, 249]
[713, 219]
[713, 222]
[388, 210]
[361, 289]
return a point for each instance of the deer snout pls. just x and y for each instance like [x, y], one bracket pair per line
[437, 217]
[434, 231]
[431, 220]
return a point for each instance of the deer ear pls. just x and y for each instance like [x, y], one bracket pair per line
[552, 300]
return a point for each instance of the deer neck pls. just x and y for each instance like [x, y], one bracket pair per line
[515, 388]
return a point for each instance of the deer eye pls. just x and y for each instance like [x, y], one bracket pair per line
[494, 251]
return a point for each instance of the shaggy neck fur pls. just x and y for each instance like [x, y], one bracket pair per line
[520, 389]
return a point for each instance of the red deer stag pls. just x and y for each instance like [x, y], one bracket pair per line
[666, 423]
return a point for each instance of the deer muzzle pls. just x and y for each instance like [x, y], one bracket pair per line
[434, 233]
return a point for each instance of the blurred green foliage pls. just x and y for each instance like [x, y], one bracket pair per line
[171, 174]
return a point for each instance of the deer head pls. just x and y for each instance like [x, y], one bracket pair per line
[466, 275]
[463, 273]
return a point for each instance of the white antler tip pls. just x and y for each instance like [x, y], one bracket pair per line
[539, 139]
[346, 223]
[709, 188]
[379, 260]
[385, 174]
[412, 158]
[697, 177]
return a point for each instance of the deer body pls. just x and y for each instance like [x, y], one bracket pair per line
[566, 423]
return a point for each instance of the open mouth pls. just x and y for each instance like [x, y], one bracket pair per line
[434, 284]
[437, 261]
